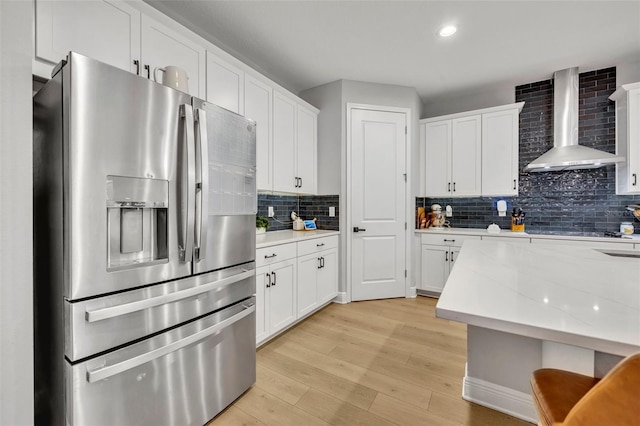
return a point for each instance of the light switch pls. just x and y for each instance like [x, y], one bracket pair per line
[271, 213]
[332, 211]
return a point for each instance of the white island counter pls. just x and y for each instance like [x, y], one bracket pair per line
[530, 306]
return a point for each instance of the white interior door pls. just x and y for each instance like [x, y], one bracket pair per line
[378, 199]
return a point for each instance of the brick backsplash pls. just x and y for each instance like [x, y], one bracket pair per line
[308, 207]
[577, 202]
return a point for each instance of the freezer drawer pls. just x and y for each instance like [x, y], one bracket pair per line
[96, 325]
[182, 377]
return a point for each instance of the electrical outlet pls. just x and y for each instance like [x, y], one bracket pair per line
[332, 211]
[271, 213]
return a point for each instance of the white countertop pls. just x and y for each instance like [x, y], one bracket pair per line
[507, 233]
[274, 238]
[568, 294]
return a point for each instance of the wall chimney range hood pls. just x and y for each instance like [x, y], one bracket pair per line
[566, 154]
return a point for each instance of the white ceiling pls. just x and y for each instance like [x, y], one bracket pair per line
[303, 44]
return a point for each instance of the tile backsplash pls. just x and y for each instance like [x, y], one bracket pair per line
[577, 202]
[307, 207]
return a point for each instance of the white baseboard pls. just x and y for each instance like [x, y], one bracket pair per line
[341, 298]
[412, 293]
[500, 398]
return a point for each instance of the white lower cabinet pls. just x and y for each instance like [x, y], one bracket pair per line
[438, 255]
[317, 273]
[292, 281]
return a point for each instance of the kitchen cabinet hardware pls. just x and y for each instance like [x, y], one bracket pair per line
[268, 276]
[450, 241]
[514, 184]
[356, 229]
[319, 264]
[137, 64]
[452, 259]
[322, 262]
[446, 256]
[147, 67]
[320, 245]
[635, 179]
[270, 256]
[274, 279]
[449, 187]
[454, 187]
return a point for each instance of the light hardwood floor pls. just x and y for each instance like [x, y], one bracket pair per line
[381, 362]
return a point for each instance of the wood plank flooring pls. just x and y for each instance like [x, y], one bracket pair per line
[381, 362]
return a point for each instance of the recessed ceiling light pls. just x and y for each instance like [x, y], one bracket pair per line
[447, 31]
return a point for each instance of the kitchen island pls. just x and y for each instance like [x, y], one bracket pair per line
[529, 306]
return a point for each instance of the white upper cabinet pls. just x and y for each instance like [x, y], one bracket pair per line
[258, 107]
[472, 153]
[627, 99]
[294, 146]
[225, 84]
[307, 134]
[438, 158]
[106, 30]
[163, 46]
[500, 153]
[453, 157]
[284, 144]
[466, 156]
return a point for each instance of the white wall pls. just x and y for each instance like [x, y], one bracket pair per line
[328, 99]
[628, 73]
[16, 295]
[484, 97]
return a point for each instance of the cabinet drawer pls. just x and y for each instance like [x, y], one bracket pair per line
[317, 244]
[269, 255]
[447, 239]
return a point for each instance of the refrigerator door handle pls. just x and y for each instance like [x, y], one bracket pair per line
[127, 308]
[106, 372]
[202, 184]
[187, 227]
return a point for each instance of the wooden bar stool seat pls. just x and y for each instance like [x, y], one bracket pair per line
[571, 399]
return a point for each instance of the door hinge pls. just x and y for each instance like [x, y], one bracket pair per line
[405, 176]
[405, 226]
[405, 273]
[405, 130]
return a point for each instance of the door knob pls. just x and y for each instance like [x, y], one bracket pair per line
[356, 229]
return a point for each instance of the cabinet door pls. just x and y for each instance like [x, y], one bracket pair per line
[262, 304]
[306, 148]
[438, 158]
[282, 295]
[500, 153]
[106, 30]
[308, 267]
[162, 46]
[225, 84]
[453, 255]
[435, 267]
[633, 135]
[258, 107]
[328, 276]
[284, 139]
[466, 158]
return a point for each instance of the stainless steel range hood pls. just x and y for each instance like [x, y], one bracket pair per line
[566, 154]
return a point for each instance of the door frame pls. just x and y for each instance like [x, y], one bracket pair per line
[345, 199]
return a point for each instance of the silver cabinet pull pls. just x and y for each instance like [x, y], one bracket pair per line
[127, 308]
[202, 184]
[112, 370]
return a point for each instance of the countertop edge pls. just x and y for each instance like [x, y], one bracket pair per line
[275, 238]
[509, 234]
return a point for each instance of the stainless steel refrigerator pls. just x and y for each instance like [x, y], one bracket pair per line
[144, 250]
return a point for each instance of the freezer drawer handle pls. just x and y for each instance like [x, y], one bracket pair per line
[112, 370]
[127, 308]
